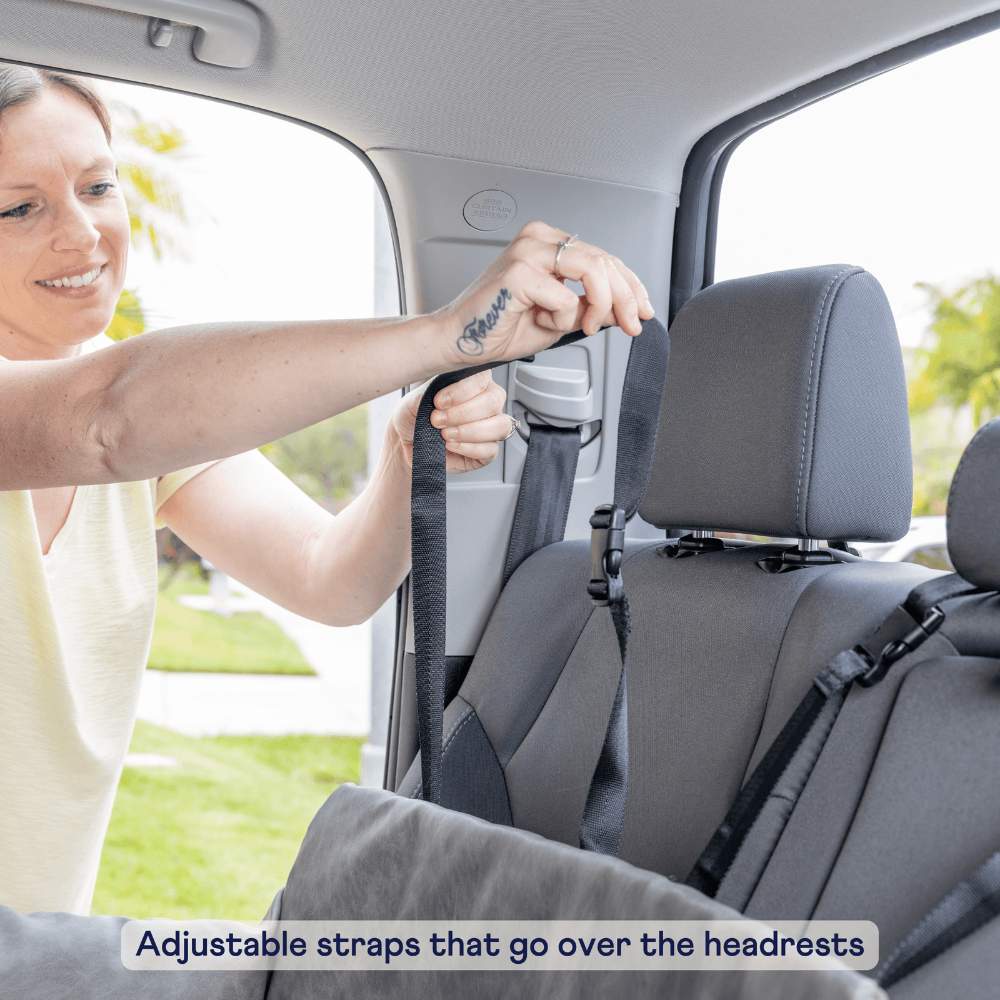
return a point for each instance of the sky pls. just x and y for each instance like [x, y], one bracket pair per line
[897, 174]
[281, 218]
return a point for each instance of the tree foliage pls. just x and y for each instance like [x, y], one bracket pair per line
[961, 364]
[955, 383]
[327, 460]
[148, 155]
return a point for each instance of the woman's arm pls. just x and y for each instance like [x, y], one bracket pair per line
[256, 525]
[166, 400]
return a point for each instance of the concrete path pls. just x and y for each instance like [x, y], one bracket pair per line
[336, 701]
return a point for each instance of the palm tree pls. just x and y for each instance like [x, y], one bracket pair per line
[147, 153]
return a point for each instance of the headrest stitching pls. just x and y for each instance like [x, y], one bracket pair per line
[799, 520]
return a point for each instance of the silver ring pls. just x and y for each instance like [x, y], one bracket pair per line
[515, 425]
[560, 246]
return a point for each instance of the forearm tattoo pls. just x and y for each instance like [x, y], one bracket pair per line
[471, 341]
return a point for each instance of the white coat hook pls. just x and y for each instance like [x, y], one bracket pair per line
[161, 32]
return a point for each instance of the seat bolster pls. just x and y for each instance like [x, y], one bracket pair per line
[473, 781]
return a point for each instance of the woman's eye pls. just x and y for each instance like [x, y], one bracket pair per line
[105, 185]
[16, 213]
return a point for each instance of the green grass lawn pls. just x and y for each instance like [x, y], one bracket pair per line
[245, 643]
[216, 835]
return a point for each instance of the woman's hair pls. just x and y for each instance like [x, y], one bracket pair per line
[19, 84]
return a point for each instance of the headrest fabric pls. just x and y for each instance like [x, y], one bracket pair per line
[973, 506]
[784, 411]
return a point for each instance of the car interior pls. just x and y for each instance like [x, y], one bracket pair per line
[771, 722]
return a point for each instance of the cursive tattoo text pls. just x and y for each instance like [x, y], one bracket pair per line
[471, 341]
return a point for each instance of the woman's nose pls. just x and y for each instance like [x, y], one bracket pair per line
[75, 229]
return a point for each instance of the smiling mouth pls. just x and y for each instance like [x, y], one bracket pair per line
[79, 283]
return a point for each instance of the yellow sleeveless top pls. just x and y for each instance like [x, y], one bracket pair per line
[75, 632]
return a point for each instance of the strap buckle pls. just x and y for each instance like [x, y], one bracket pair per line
[898, 648]
[607, 543]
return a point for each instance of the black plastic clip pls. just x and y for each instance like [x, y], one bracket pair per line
[898, 648]
[607, 543]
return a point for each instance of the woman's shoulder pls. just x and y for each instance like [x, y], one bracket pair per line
[96, 343]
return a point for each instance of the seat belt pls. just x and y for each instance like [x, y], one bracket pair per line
[772, 790]
[428, 512]
[975, 901]
[545, 492]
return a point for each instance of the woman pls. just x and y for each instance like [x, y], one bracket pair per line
[92, 438]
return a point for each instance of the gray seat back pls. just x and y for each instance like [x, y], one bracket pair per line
[770, 379]
[903, 802]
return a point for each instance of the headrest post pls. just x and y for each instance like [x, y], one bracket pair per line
[808, 545]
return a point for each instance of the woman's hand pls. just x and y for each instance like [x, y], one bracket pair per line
[520, 306]
[470, 416]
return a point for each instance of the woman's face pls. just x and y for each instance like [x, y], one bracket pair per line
[62, 215]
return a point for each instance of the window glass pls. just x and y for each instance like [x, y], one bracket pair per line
[238, 215]
[898, 175]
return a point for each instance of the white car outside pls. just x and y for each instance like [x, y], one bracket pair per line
[926, 542]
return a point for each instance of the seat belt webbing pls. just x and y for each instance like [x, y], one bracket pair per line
[970, 904]
[545, 492]
[772, 790]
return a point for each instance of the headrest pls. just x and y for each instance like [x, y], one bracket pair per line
[784, 411]
[973, 503]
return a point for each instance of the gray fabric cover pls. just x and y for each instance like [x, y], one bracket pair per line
[784, 412]
[720, 654]
[371, 855]
[61, 956]
[974, 509]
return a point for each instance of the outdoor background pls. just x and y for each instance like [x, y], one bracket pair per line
[251, 716]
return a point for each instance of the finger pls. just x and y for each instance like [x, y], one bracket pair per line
[488, 403]
[480, 452]
[466, 388]
[646, 310]
[494, 429]
[535, 284]
[578, 263]
[626, 309]
[592, 272]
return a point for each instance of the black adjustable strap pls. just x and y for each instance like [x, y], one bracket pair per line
[428, 572]
[428, 513]
[972, 903]
[603, 820]
[545, 492]
[778, 780]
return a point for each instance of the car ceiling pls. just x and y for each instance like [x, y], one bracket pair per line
[606, 91]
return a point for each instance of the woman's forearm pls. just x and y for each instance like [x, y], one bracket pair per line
[182, 396]
[364, 554]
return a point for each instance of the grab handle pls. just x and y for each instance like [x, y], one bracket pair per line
[228, 31]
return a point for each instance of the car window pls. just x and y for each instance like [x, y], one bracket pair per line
[896, 174]
[240, 215]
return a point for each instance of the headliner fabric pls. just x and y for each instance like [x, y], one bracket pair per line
[784, 412]
[973, 502]
[580, 87]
